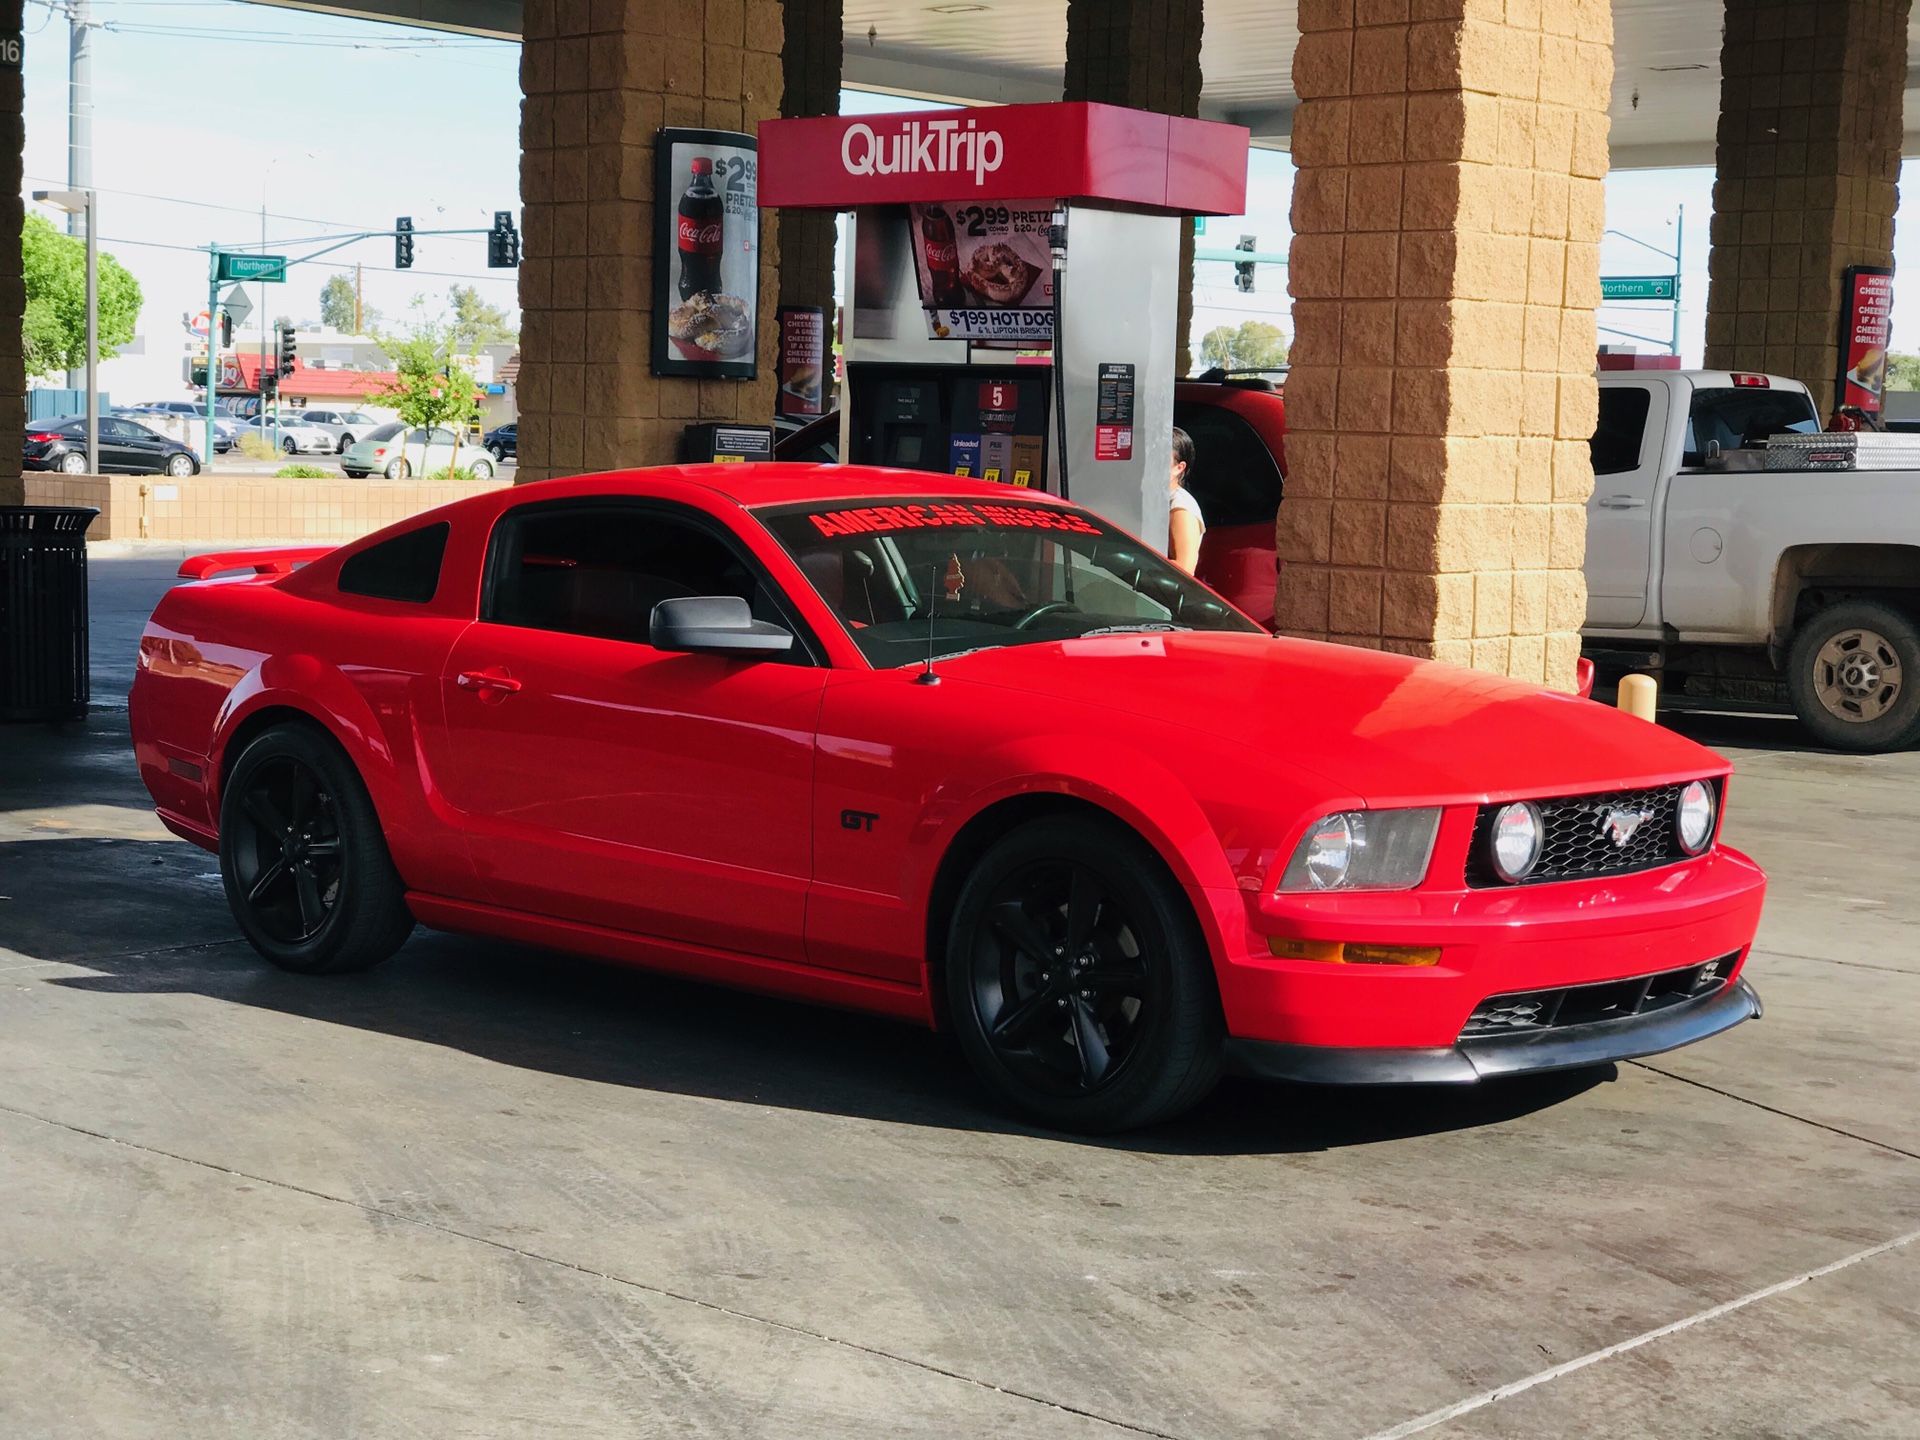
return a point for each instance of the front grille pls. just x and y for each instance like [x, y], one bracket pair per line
[1579, 840]
[1530, 1010]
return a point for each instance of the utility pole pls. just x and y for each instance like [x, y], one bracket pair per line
[357, 321]
[79, 122]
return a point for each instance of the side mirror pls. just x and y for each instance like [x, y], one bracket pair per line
[714, 625]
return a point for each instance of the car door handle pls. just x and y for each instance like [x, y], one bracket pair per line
[486, 680]
[1622, 502]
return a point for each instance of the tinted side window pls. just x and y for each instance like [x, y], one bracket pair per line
[1737, 417]
[1234, 476]
[600, 569]
[1623, 425]
[406, 567]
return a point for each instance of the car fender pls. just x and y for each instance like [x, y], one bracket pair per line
[1122, 779]
[319, 690]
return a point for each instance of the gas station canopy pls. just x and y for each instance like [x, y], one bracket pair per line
[1158, 164]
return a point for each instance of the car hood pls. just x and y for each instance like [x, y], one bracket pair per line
[1387, 727]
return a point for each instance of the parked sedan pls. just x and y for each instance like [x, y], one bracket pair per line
[953, 752]
[125, 449]
[397, 452]
[503, 443]
[345, 426]
[295, 436]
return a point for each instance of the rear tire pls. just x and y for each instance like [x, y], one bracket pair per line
[1853, 673]
[1079, 982]
[399, 470]
[303, 859]
[346, 444]
[181, 465]
[73, 463]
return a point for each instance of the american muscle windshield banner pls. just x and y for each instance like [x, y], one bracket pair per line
[1866, 331]
[985, 270]
[949, 514]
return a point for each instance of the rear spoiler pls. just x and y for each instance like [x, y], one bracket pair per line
[269, 564]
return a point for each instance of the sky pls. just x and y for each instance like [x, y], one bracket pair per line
[207, 110]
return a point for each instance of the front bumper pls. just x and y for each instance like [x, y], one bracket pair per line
[1486, 1057]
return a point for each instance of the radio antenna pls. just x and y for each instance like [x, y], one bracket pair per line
[926, 676]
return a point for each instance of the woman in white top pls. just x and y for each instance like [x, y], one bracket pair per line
[1185, 525]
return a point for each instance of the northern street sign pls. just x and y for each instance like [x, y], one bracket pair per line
[1636, 287]
[251, 267]
[237, 306]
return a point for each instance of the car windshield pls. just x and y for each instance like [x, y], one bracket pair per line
[965, 574]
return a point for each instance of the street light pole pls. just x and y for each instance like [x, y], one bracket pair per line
[85, 203]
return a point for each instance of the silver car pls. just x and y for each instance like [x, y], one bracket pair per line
[295, 437]
[346, 426]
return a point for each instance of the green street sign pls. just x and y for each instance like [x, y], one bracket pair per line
[251, 267]
[1636, 287]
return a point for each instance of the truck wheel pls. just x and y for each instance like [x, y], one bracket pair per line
[1854, 674]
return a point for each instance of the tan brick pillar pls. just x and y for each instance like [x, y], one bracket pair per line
[598, 79]
[810, 62]
[1445, 267]
[1808, 170]
[1144, 54]
[13, 295]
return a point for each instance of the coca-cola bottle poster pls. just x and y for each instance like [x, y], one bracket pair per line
[706, 254]
[985, 270]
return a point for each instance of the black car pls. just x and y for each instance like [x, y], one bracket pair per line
[125, 449]
[502, 443]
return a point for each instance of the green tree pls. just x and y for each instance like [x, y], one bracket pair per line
[53, 330]
[476, 323]
[1903, 371]
[338, 310]
[1251, 345]
[433, 385]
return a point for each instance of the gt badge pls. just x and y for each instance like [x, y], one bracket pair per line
[857, 819]
[1619, 825]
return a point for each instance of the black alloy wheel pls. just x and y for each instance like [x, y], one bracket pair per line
[1079, 982]
[287, 857]
[306, 869]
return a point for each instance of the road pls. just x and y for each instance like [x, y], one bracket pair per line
[491, 1191]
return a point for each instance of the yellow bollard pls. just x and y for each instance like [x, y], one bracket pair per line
[1639, 695]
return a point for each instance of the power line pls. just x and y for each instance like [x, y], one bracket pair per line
[323, 264]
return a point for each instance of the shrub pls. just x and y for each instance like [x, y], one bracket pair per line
[302, 472]
[257, 447]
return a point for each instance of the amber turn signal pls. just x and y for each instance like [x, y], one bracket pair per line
[1338, 952]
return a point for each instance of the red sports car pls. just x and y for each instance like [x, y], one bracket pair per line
[972, 758]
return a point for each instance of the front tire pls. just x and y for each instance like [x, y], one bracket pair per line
[1079, 982]
[1853, 673]
[303, 859]
[290, 445]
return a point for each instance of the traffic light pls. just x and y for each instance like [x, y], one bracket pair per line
[1243, 269]
[503, 242]
[403, 243]
[226, 328]
[286, 350]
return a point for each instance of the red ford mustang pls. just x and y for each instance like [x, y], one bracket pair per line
[972, 758]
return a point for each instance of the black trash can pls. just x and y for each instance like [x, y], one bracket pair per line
[44, 672]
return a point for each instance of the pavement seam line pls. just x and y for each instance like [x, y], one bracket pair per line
[1776, 1110]
[1834, 960]
[1647, 1337]
[659, 1291]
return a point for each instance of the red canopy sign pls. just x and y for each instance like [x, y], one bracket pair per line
[1072, 151]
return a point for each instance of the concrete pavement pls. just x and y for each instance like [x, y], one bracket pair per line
[486, 1190]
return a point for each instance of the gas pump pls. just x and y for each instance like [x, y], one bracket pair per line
[1011, 286]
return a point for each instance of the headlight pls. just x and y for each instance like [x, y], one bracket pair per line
[1693, 824]
[1517, 838]
[1363, 850]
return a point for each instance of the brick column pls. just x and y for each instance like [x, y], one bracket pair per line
[13, 295]
[599, 78]
[810, 61]
[1445, 267]
[1808, 170]
[1144, 54]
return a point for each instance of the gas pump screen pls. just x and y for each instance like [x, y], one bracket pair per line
[985, 271]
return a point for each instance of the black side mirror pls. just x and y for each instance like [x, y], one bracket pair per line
[714, 625]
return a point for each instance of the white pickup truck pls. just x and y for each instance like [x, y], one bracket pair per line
[1747, 588]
